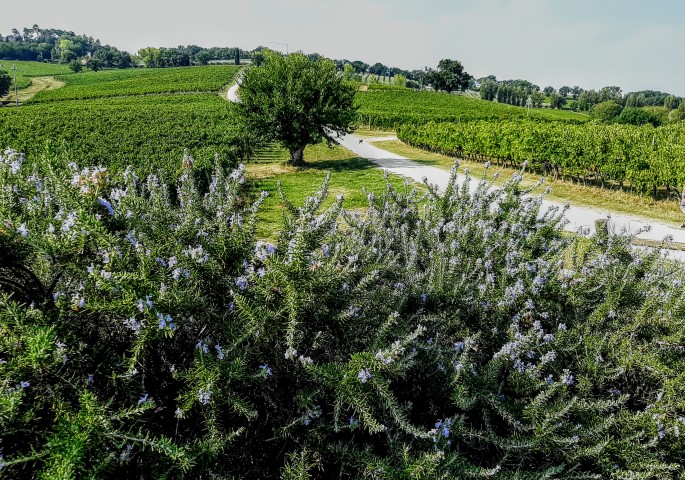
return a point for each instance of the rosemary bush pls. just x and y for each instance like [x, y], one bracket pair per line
[145, 333]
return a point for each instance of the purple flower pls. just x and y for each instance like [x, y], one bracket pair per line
[567, 378]
[423, 297]
[107, 205]
[142, 399]
[241, 282]
[203, 396]
[459, 347]
[24, 384]
[22, 230]
[91, 378]
[219, 352]
[364, 375]
[265, 368]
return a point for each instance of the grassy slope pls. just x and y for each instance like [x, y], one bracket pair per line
[613, 200]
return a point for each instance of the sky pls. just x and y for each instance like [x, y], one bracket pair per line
[635, 44]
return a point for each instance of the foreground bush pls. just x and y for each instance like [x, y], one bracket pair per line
[144, 332]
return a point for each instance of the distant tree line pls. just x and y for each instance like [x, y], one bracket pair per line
[60, 46]
[182, 56]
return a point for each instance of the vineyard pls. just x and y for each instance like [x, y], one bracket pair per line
[388, 108]
[643, 157]
[151, 132]
[112, 83]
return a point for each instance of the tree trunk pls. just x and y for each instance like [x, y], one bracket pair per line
[297, 157]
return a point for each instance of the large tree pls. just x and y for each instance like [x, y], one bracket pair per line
[296, 101]
[450, 76]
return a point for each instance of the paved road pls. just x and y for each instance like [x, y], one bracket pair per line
[232, 94]
[578, 217]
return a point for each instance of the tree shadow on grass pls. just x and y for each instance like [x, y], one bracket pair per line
[350, 164]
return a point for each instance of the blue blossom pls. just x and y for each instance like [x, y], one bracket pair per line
[423, 297]
[25, 384]
[364, 375]
[142, 399]
[161, 261]
[22, 230]
[202, 346]
[353, 422]
[203, 396]
[549, 337]
[165, 321]
[261, 272]
[459, 346]
[176, 273]
[265, 368]
[219, 352]
[399, 286]
[567, 378]
[549, 379]
[107, 205]
[561, 327]
[91, 378]
[241, 282]
[172, 262]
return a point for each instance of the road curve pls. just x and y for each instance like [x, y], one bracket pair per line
[579, 218]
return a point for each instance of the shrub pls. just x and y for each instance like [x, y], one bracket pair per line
[146, 333]
[637, 116]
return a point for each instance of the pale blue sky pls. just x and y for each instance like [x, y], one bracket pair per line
[591, 43]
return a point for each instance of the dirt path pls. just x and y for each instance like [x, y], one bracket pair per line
[38, 84]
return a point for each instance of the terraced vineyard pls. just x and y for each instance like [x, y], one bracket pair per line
[389, 108]
[112, 83]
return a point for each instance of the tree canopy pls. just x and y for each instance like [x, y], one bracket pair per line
[450, 76]
[296, 101]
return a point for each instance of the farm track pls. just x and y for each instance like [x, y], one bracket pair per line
[38, 84]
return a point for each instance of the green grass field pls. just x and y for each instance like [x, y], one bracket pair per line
[350, 175]
[384, 109]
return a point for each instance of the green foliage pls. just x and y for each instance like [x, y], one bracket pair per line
[637, 116]
[606, 112]
[388, 109]
[150, 131]
[115, 83]
[450, 76]
[644, 156]
[296, 101]
[75, 66]
[428, 337]
[5, 83]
